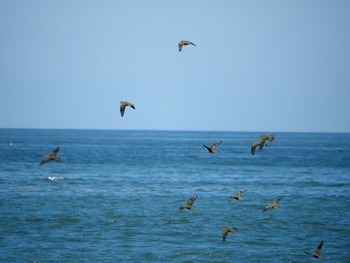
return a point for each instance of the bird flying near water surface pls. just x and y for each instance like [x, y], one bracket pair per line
[264, 138]
[317, 253]
[272, 205]
[212, 148]
[238, 195]
[226, 230]
[189, 204]
[51, 157]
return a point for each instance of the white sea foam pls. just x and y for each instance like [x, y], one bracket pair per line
[54, 178]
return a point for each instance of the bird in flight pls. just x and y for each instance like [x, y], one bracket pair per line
[226, 230]
[238, 195]
[51, 157]
[317, 253]
[189, 204]
[212, 148]
[264, 138]
[123, 105]
[184, 43]
[273, 205]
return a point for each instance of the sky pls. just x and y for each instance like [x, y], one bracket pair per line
[258, 65]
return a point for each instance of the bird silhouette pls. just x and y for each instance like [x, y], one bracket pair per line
[226, 230]
[189, 204]
[51, 157]
[238, 195]
[184, 43]
[123, 105]
[264, 138]
[317, 253]
[273, 205]
[212, 148]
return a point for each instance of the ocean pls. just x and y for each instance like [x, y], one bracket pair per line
[115, 197]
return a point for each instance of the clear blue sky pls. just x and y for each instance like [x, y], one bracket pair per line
[258, 65]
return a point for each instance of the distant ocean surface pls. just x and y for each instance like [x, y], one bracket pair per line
[115, 197]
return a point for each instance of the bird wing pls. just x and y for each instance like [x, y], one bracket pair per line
[191, 200]
[122, 110]
[192, 44]
[54, 152]
[180, 46]
[183, 207]
[224, 234]
[253, 148]
[208, 149]
[45, 160]
[319, 248]
[214, 145]
[262, 143]
[278, 199]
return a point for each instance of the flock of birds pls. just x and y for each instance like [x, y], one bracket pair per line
[228, 229]
[212, 149]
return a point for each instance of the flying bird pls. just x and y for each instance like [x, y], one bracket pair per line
[51, 157]
[184, 43]
[317, 253]
[273, 205]
[124, 104]
[225, 231]
[189, 204]
[264, 138]
[238, 195]
[256, 144]
[212, 148]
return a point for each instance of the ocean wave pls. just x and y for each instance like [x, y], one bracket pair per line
[54, 178]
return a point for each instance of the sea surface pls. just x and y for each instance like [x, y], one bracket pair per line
[115, 197]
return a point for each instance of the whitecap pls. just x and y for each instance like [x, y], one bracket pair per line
[54, 178]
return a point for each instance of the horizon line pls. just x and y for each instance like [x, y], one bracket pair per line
[167, 130]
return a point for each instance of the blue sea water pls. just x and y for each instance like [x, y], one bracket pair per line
[115, 197]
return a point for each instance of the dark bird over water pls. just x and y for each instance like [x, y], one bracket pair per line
[124, 104]
[184, 43]
[189, 204]
[317, 253]
[264, 138]
[51, 157]
[273, 205]
[212, 148]
[225, 231]
[238, 195]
